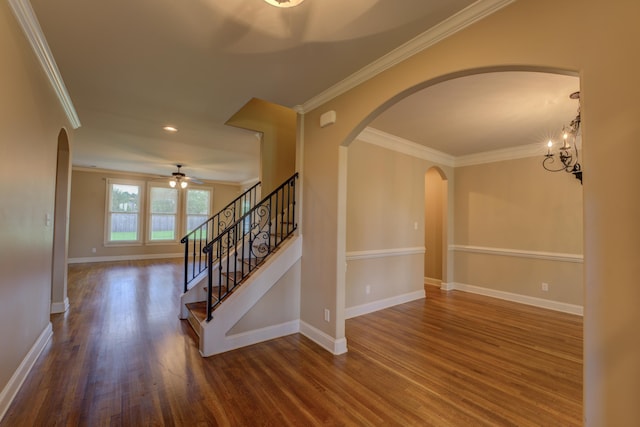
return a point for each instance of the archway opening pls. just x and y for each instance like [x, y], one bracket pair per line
[435, 226]
[514, 123]
[59, 299]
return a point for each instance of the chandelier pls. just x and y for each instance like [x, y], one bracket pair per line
[568, 152]
[284, 3]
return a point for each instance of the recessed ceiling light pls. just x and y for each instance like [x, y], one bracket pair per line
[170, 129]
[284, 3]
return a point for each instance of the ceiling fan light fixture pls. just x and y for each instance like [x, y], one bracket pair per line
[172, 183]
[284, 3]
[183, 184]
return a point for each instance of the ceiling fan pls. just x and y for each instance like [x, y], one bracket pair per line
[178, 178]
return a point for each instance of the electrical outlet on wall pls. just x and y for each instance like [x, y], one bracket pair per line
[327, 315]
[367, 289]
[545, 287]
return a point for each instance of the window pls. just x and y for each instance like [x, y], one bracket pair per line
[123, 216]
[164, 216]
[198, 208]
[163, 211]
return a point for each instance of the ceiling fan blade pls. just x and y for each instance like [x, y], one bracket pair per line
[194, 180]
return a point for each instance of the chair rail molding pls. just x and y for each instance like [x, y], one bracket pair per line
[383, 253]
[549, 256]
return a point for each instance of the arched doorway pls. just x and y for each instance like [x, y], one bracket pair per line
[435, 226]
[437, 261]
[59, 299]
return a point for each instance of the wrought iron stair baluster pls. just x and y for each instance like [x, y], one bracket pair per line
[202, 235]
[244, 245]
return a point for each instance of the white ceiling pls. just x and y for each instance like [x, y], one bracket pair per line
[484, 112]
[132, 67]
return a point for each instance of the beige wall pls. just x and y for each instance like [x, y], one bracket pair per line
[278, 146]
[529, 34]
[31, 119]
[385, 198]
[281, 304]
[518, 205]
[514, 207]
[87, 215]
[385, 213]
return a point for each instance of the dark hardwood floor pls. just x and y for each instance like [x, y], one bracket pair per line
[122, 357]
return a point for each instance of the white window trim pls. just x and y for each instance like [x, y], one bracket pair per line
[144, 213]
[107, 210]
[184, 210]
[148, 213]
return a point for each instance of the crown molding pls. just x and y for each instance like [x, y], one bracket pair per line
[461, 20]
[152, 176]
[29, 22]
[404, 146]
[511, 153]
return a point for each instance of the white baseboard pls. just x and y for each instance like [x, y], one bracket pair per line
[370, 307]
[332, 345]
[17, 379]
[83, 260]
[244, 339]
[447, 286]
[432, 282]
[522, 299]
[60, 307]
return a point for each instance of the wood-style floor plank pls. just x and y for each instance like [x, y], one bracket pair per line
[121, 357]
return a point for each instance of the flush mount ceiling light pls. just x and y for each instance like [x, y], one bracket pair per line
[284, 3]
[170, 129]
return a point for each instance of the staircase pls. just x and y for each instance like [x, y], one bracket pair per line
[236, 266]
[198, 238]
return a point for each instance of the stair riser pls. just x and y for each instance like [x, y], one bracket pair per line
[195, 324]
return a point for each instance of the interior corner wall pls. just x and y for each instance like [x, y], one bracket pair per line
[508, 209]
[31, 118]
[278, 126]
[87, 216]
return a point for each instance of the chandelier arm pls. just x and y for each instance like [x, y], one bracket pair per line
[549, 159]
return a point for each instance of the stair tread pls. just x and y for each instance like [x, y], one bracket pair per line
[214, 291]
[237, 274]
[251, 261]
[198, 309]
